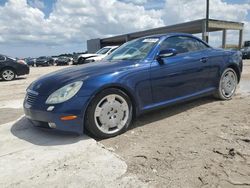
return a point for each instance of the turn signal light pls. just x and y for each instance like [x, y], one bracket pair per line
[65, 118]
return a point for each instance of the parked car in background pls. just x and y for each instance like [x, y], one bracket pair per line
[63, 60]
[245, 52]
[30, 61]
[54, 59]
[99, 55]
[75, 57]
[247, 44]
[44, 61]
[144, 74]
[10, 68]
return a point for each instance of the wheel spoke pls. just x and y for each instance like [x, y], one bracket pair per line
[124, 106]
[111, 98]
[98, 111]
[105, 127]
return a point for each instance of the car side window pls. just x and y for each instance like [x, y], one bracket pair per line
[193, 44]
[2, 58]
[183, 44]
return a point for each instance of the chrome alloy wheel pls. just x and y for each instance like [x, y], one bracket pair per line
[228, 83]
[111, 113]
[8, 75]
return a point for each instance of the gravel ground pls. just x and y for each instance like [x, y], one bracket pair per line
[202, 143]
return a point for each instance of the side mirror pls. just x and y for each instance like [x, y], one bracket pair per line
[166, 53]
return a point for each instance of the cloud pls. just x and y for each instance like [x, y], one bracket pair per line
[20, 22]
[75, 21]
[94, 18]
[183, 11]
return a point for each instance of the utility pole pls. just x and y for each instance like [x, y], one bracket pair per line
[207, 20]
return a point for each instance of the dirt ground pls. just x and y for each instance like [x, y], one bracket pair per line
[202, 143]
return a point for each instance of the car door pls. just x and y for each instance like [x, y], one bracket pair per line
[180, 76]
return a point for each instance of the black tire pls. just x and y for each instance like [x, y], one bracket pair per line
[90, 123]
[3, 76]
[219, 93]
[80, 61]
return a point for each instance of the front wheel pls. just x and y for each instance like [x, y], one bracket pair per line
[109, 114]
[228, 84]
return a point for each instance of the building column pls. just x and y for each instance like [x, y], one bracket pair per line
[127, 38]
[204, 31]
[240, 38]
[224, 38]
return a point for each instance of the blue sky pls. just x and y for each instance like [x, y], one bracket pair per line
[48, 6]
[51, 27]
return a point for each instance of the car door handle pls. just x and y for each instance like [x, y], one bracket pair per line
[203, 60]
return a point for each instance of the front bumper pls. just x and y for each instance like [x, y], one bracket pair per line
[62, 62]
[37, 111]
[245, 55]
[42, 63]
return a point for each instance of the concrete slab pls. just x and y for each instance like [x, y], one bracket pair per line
[31, 157]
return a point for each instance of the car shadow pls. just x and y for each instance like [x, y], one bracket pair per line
[24, 130]
[167, 112]
[16, 79]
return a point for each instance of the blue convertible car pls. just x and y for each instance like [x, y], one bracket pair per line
[141, 75]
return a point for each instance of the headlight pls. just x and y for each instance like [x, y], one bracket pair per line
[65, 93]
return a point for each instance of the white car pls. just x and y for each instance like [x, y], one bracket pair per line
[99, 55]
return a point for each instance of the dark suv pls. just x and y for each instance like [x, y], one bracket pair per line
[44, 61]
[10, 68]
[245, 52]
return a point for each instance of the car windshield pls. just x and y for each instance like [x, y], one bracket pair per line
[42, 57]
[134, 50]
[103, 51]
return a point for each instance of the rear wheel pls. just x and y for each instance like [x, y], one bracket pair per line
[228, 84]
[109, 114]
[8, 74]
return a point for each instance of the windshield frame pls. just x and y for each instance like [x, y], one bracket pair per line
[126, 45]
[102, 49]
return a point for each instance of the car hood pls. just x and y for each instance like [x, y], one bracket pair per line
[87, 55]
[97, 58]
[55, 80]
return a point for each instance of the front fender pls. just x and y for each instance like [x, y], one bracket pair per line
[136, 84]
